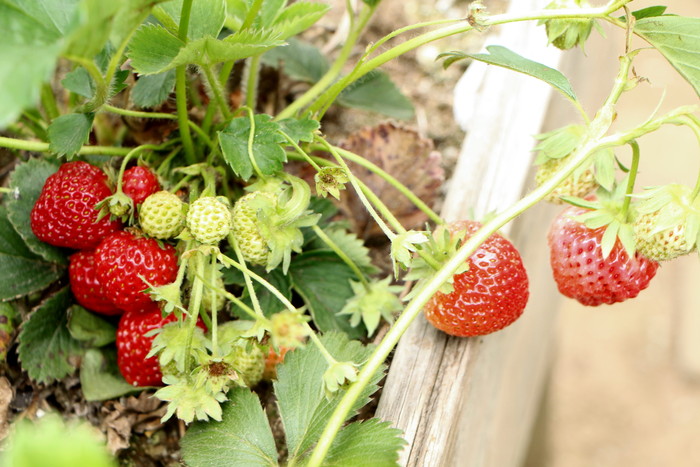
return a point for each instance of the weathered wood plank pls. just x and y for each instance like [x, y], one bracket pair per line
[453, 396]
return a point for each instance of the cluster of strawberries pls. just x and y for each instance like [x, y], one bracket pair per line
[112, 267]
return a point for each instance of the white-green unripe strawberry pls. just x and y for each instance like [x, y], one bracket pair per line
[248, 359]
[254, 247]
[209, 219]
[162, 215]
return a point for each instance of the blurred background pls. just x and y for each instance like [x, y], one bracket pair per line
[625, 380]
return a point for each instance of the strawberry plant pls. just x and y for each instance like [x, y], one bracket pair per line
[169, 223]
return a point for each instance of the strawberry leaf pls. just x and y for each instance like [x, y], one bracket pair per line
[22, 271]
[369, 442]
[323, 281]
[303, 129]
[300, 391]
[79, 82]
[152, 90]
[99, 376]
[28, 179]
[242, 438]
[267, 150]
[298, 60]
[90, 328]
[152, 49]
[678, 39]
[68, 133]
[46, 348]
[349, 243]
[377, 93]
[206, 17]
[506, 58]
[268, 302]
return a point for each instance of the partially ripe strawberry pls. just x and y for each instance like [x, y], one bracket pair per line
[64, 215]
[126, 261]
[138, 183]
[272, 360]
[85, 285]
[582, 273]
[487, 297]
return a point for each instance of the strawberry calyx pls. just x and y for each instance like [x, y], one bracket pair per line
[372, 302]
[568, 33]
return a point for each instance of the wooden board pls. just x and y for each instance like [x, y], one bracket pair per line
[472, 402]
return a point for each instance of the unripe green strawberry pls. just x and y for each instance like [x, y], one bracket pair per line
[209, 220]
[253, 246]
[248, 359]
[668, 222]
[162, 215]
[576, 185]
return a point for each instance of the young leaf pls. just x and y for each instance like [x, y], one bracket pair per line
[323, 281]
[506, 58]
[24, 36]
[152, 90]
[99, 376]
[371, 442]
[377, 93]
[79, 82]
[206, 16]
[22, 271]
[243, 438]
[90, 328]
[678, 39]
[302, 129]
[46, 348]
[648, 12]
[298, 60]
[298, 17]
[69, 132]
[300, 390]
[28, 179]
[152, 49]
[269, 155]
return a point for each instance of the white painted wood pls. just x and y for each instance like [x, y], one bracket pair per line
[472, 402]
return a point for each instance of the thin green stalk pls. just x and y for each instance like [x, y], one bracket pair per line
[101, 85]
[341, 254]
[218, 92]
[48, 101]
[251, 140]
[214, 311]
[38, 146]
[252, 14]
[368, 65]
[252, 80]
[593, 143]
[182, 117]
[246, 276]
[360, 192]
[334, 70]
[359, 160]
[193, 309]
[184, 26]
[303, 154]
[634, 168]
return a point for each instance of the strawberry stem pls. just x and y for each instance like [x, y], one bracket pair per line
[634, 168]
[346, 259]
[181, 87]
[218, 91]
[246, 276]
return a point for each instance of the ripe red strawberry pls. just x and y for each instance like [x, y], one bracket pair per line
[487, 297]
[125, 260]
[580, 270]
[138, 183]
[87, 289]
[64, 215]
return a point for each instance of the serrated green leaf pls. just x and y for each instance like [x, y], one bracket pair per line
[152, 49]
[506, 58]
[646, 12]
[323, 281]
[678, 39]
[89, 328]
[242, 439]
[56, 17]
[28, 179]
[152, 90]
[267, 149]
[350, 244]
[79, 82]
[299, 60]
[22, 271]
[370, 442]
[131, 12]
[377, 93]
[206, 16]
[298, 17]
[46, 348]
[302, 129]
[69, 132]
[100, 378]
[300, 395]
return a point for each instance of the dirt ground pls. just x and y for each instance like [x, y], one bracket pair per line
[625, 383]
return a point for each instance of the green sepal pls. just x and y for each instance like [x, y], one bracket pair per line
[373, 302]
